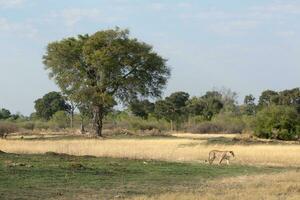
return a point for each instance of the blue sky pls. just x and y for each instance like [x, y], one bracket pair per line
[248, 45]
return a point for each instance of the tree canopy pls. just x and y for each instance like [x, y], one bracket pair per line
[4, 113]
[141, 108]
[105, 68]
[49, 104]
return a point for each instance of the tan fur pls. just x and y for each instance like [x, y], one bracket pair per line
[220, 155]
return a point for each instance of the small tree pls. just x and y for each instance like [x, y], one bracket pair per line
[267, 98]
[249, 105]
[173, 107]
[229, 100]
[195, 106]
[105, 68]
[60, 119]
[213, 104]
[4, 113]
[141, 108]
[85, 115]
[49, 104]
[280, 122]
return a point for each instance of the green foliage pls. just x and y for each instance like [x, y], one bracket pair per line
[249, 105]
[4, 113]
[60, 119]
[141, 108]
[213, 102]
[195, 106]
[123, 120]
[278, 122]
[42, 125]
[29, 125]
[172, 108]
[49, 104]
[105, 67]
[289, 97]
[104, 178]
[268, 98]
[150, 124]
[221, 123]
[286, 97]
[229, 100]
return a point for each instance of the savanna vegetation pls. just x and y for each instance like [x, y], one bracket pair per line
[109, 134]
[98, 72]
[276, 115]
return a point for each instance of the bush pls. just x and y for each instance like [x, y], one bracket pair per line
[60, 120]
[42, 125]
[136, 123]
[204, 127]
[125, 121]
[222, 123]
[277, 122]
[7, 128]
[27, 125]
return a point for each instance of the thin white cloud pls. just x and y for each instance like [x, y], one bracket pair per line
[10, 3]
[73, 16]
[234, 27]
[22, 29]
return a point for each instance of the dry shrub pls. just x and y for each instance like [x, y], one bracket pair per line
[117, 132]
[135, 123]
[216, 127]
[7, 128]
[27, 125]
[152, 132]
[42, 125]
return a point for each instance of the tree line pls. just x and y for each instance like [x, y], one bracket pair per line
[274, 115]
[99, 71]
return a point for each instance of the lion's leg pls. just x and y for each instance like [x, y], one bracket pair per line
[227, 161]
[221, 159]
[211, 159]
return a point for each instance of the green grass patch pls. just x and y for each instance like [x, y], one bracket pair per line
[54, 176]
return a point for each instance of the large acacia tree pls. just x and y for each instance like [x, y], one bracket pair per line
[107, 67]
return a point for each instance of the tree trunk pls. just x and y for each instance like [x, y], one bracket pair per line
[82, 130]
[72, 119]
[97, 119]
[72, 114]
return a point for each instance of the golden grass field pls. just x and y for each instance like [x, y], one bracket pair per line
[189, 148]
[184, 148]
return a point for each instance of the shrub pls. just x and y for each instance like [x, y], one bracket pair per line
[7, 128]
[278, 122]
[125, 121]
[222, 123]
[204, 127]
[42, 125]
[60, 120]
[27, 125]
[136, 123]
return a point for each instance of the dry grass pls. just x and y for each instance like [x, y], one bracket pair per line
[188, 148]
[181, 149]
[276, 186]
[203, 136]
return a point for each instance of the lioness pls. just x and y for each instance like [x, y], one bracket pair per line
[221, 155]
